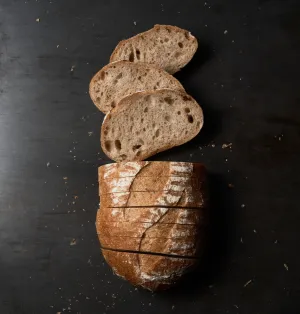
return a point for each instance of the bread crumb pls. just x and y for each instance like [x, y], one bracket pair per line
[134, 22]
[72, 68]
[73, 242]
[226, 145]
[65, 178]
[230, 185]
[243, 205]
[225, 32]
[48, 164]
[242, 240]
[38, 20]
[57, 46]
[90, 133]
[254, 230]
[286, 266]
[247, 283]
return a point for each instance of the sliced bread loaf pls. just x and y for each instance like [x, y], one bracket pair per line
[146, 123]
[169, 47]
[119, 79]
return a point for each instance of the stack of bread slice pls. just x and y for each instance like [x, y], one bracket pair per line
[147, 109]
[152, 218]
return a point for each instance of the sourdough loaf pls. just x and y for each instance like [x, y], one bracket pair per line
[151, 272]
[169, 47]
[149, 122]
[119, 79]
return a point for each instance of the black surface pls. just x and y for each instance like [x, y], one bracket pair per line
[247, 80]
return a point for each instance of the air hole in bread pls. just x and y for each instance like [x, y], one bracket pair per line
[177, 54]
[123, 156]
[169, 100]
[158, 84]
[142, 120]
[186, 98]
[157, 133]
[131, 57]
[190, 118]
[102, 75]
[168, 29]
[161, 41]
[179, 113]
[155, 87]
[166, 40]
[138, 54]
[146, 109]
[131, 119]
[138, 154]
[153, 125]
[187, 110]
[113, 104]
[136, 147]
[101, 94]
[118, 144]
[180, 45]
[131, 127]
[108, 145]
[147, 98]
[98, 99]
[105, 132]
[198, 124]
[139, 78]
[167, 118]
[144, 129]
[119, 76]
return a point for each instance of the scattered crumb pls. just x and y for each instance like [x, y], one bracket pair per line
[73, 242]
[134, 22]
[38, 20]
[230, 185]
[48, 164]
[227, 145]
[75, 196]
[65, 178]
[242, 240]
[275, 242]
[247, 283]
[286, 266]
[254, 231]
[213, 145]
[173, 307]
[226, 31]
[72, 68]
[243, 205]
[90, 133]
[235, 306]
[57, 46]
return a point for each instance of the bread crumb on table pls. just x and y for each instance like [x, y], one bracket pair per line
[286, 266]
[247, 283]
[38, 20]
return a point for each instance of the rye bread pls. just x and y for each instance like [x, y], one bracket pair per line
[122, 78]
[146, 123]
[151, 272]
[169, 47]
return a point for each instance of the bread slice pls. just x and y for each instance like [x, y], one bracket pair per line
[119, 79]
[146, 169]
[169, 47]
[184, 246]
[153, 199]
[149, 184]
[152, 272]
[146, 123]
[185, 216]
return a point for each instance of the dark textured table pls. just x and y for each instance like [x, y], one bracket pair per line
[246, 77]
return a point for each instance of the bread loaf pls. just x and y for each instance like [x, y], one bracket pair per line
[169, 47]
[146, 123]
[119, 79]
[152, 272]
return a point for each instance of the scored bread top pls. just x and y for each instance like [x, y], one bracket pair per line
[149, 122]
[169, 47]
[119, 79]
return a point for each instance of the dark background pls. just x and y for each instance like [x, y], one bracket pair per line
[246, 77]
